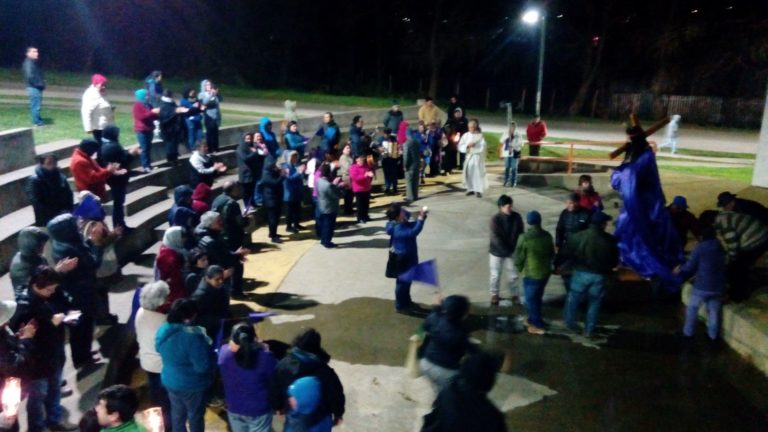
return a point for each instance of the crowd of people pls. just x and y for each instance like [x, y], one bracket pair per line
[61, 285]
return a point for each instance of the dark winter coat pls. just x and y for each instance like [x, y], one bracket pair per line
[49, 193]
[505, 230]
[80, 283]
[47, 350]
[447, 342]
[272, 181]
[30, 241]
[248, 161]
[593, 250]
[212, 307]
[216, 248]
[569, 223]
[233, 229]
[298, 364]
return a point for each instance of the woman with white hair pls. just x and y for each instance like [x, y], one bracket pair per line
[148, 321]
[170, 263]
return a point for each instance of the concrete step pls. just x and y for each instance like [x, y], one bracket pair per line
[147, 221]
[61, 149]
[140, 199]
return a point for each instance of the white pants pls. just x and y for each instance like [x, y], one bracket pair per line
[495, 263]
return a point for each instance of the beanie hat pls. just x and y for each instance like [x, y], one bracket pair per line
[680, 202]
[7, 309]
[90, 209]
[533, 218]
[111, 133]
[455, 307]
[208, 218]
[599, 218]
[89, 146]
[141, 95]
[97, 79]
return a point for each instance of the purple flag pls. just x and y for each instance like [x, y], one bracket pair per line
[256, 317]
[425, 272]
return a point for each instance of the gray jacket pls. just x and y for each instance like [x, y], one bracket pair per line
[328, 195]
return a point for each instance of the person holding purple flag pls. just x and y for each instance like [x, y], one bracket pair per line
[403, 253]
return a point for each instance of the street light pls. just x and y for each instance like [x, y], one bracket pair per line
[531, 17]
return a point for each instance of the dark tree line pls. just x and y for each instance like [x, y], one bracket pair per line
[403, 47]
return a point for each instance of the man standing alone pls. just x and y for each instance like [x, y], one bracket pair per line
[506, 227]
[33, 77]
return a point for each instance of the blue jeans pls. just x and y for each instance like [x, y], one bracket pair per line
[510, 171]
[35, 103]
[327, 225]
[187, 405]
[713, 313]
[593, 286]
[145, 142]
[402, 295]
[258, 194]
[158, 395]
[534, 292]
[242, 423]
[44, 403]
[194, 134]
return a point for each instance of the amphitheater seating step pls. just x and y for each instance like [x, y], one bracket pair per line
[140, 199]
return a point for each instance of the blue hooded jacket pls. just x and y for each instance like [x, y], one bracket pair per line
[269, 137]
[189, 363]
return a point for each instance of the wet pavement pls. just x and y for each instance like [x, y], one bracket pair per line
[636, 375]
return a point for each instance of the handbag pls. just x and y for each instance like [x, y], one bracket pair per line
[395, 264]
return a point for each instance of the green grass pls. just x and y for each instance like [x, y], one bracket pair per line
[492, 142]
[710, 153]
[739, 174]
[69, 79]
[62, 123]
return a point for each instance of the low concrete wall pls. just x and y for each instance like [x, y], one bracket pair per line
[17, 147]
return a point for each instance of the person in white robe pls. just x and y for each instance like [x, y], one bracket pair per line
[473, 144]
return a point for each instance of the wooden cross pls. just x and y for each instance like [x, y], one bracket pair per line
[648, 132]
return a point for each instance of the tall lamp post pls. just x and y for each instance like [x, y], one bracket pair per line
[532, 17]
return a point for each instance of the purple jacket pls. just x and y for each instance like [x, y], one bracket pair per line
[246, 391]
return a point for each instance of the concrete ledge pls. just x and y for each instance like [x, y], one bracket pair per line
[18, 149]
[744, 326]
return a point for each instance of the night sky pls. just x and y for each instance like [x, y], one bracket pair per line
[383, 47]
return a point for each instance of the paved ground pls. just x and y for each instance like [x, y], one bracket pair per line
[636, 376]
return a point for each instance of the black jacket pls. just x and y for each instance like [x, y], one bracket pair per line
[15, 354]
[113, 152]
[272, 182]
[216, 248]
[298, 364]
[505, 230]
[33, 76]
[569, 223]
[460, 408]
[233, 227]
[47, 348]
[249, 163]
[49, 194]
[212, 307]
[446, 343]
[80, 283]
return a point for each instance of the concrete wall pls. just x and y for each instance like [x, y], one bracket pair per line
[17, 149]
[760, 176]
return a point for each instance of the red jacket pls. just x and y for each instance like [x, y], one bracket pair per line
[360, 182]
[143, 118]
[201, 198]
[170, 264]
[88, 174]
[536, 132]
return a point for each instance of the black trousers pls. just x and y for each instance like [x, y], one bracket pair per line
[348, 200]
[211, 134]
[273, 217]
[293, 214]
[363, 204]
[81, 340]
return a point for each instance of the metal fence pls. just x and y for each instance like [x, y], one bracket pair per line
[704, 110]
